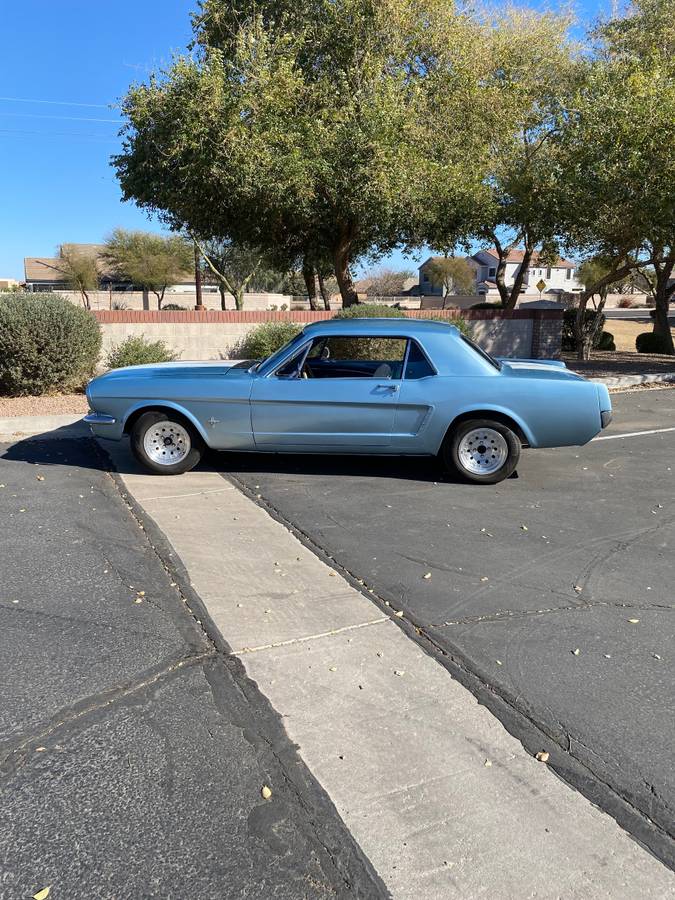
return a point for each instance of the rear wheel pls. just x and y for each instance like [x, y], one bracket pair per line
[482, 451]
[165, 444]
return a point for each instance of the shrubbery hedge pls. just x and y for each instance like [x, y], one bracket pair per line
[265, 339]
[648, 342]
[137, 351]
[47, 344]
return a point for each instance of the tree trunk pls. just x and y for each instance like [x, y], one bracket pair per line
[662, 304]
[520, 278]
[146, 299]
[500, 277]
[344, 279]
[222, 292]
[239, 297]
[310, 283]
[324, 293]
[85, 299]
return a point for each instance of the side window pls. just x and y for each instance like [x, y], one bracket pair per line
[356, 357]
[418, 365]
[290, 369]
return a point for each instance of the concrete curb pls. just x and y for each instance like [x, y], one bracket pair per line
[625, 381]
[13, 428]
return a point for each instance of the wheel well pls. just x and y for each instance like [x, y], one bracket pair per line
[489, 414]
[174, 413]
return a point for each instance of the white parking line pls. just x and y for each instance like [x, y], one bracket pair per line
[614, 437]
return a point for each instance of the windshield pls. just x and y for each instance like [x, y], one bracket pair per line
[280, 353]
[481, 352]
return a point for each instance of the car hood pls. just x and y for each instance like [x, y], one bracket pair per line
[553, 369]
[183, 369]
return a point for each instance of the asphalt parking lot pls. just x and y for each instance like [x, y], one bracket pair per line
[553, 590]
[133, 749]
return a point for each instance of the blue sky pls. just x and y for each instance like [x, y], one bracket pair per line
[72, 60]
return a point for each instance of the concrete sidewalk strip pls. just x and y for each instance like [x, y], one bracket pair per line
[14, 428]
[444, 802]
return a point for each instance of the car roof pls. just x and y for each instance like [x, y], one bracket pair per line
[371, 325]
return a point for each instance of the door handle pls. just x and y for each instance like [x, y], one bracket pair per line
[390, 387]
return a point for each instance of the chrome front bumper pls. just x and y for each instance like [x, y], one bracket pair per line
[95, 418]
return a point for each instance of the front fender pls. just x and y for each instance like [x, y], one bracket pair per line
[166, 404]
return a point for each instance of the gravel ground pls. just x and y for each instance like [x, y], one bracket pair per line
[59, 404]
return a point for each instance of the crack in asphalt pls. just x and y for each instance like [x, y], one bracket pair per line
[534, 613]
[14, 753]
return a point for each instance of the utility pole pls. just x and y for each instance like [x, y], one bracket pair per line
[198, 280]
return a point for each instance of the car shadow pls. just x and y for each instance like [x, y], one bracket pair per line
[62, 447]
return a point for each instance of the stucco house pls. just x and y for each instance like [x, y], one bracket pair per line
[560, 278]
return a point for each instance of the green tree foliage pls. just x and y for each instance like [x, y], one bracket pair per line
[615, 148]
[138, 351]
[151, 261]
[311, 128]
[232, 266]
[47, 344]
[453, 274]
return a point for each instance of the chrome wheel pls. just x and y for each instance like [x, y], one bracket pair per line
[166, 443]
[483, 451]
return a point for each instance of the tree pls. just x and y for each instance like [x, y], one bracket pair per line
[151, 261]
[233, 266]
[616, 150]
[311, 128]
[530, 70]
[593, 273]
[453, 274]
[387, 282]
[80, 270]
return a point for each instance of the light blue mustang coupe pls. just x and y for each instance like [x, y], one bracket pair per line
[369, 386]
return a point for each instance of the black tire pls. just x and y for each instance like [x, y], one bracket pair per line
[186, 444]
[458, 456]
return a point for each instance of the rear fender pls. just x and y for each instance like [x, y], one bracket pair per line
[502, 413]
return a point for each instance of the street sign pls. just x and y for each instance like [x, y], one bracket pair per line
[541, 284]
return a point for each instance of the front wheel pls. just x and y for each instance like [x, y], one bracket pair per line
[482, 451]
[164, 444]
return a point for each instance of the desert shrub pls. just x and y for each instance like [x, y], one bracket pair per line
[627, 303]
[47, 344]
[569, 342]
[370, 311]
[137, 351]
[485, 304]
[265, 339]
[171, 306]
[648, 342]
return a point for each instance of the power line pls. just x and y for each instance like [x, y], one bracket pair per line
[65, 118]
[92, 138]
[56, 102]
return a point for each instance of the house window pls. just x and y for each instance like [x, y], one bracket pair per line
[568, 274]
[548, 272]
[425, 278]
[492, 273]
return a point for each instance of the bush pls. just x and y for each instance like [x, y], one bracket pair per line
[569, 342]
[47, 344]
[171, 306]
[137, 351]
[265, 339]
[627, 303]
[460, 323]
[487, 305]
[648, 342]
[606, 341]
[370, 311]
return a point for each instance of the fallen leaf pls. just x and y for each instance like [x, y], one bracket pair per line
[487, 763]
[266, 792]
[399, 672]
[333, 669]
[542, 756]
[43, 894]
[656, 656]
[40, 749]
[608, 655]
[40, 477]
[633, 621]
[427, 576]
[332, 574]
[524, 528]
[499, 662]
[141, 593]
[576, 652]
[399, 614]
[485, 578]
[138, 600]
[578, 589]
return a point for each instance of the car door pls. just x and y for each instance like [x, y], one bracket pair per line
[338, 393]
